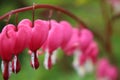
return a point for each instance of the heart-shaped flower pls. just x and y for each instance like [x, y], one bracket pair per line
[86, 37]
[102, 66]
[23, 36]
[53, 42]
[92, 51]
[39, 34]
[67, 31]
[106, 71]
[73, 43]
[7, 43]
[112, 73]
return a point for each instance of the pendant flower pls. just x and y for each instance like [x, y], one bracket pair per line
[106, 71]
[73, 44]
[22, 39]
[92, 51]
[53, 42]
[67, 31]
[39, 34]
[86, 37]
[7, 43]
[86, 53]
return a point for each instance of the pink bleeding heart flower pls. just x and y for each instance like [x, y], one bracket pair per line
[86, 37]
[102, 66]
[53, 42]
[89, 57]
[67, 31]
[7, 43]
[39, 34]
[22, 39]
[73, 43]
[92, 51]
[106, 71]
[112, 73]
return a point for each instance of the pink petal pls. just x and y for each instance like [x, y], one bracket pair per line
[23, 36]
[102, 66]
[92, 51]
[73, 43]
[55, 37]
[39, 34]
[112, 73]
[7, 40]
[86, 37]
[67, 31]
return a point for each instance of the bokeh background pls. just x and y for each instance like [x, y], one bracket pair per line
[87, 10]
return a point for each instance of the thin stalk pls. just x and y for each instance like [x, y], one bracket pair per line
[108, 29]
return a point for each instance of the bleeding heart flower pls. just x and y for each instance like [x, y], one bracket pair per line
[112, 73]
[89, 57]
[73, 43]
[105, 71]
[86, 37]
[102, 67]
[87, 51]
[92, 51]
[7, 43]
[67, 31]
[39, 34]
[53, 42]
[22, 39]
[81, 64]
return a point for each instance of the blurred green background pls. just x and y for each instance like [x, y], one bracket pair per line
[88, 10]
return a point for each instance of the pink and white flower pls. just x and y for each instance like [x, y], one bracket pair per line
[53, 42]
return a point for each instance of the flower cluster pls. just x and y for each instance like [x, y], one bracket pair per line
[84, 49]
[106, 71]
[49, 36]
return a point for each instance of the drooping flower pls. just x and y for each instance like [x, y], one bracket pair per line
[89, 57]
[112, 73]
[82, 64]
[92, 51]
[39, 34]
[22, 39]
[86, 37]
[86, 42]
[67, 31]
[106, 71]
[86, 55]
[53, 42]
[7, 43]
[73, 43]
